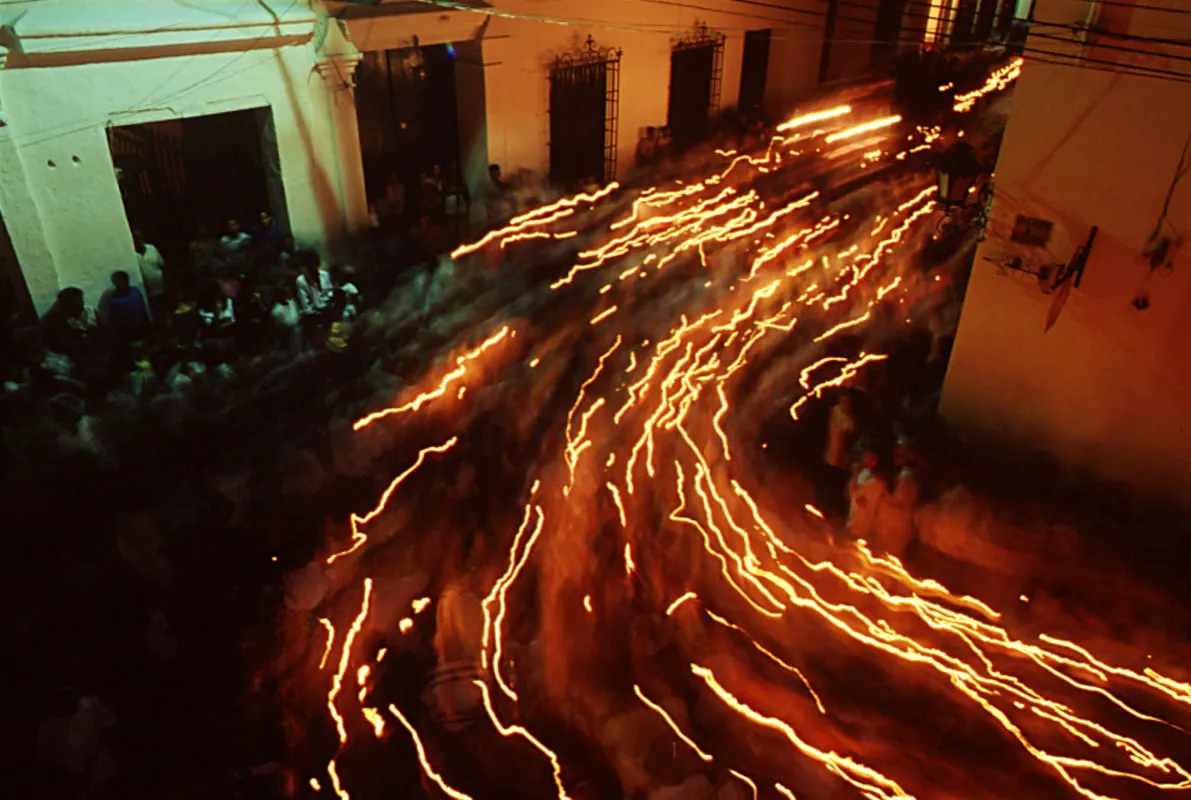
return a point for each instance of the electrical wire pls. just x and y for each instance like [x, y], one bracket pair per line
[1179, 172]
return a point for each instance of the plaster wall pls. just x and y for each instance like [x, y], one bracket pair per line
[1106, 388]
[58, 190]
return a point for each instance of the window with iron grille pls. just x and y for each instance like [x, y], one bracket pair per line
[584, 118]
[696, 72]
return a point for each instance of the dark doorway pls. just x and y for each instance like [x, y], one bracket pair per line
[584, 97]
[408, 119]
[178, 174]
[696, 66]
[888, 32]
[754, 67]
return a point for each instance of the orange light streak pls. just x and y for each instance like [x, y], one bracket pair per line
[603, 315]
[629, 566]
[852, 323]
[326, 623]
[867, 127]
[995, 82]
[375, 720]
[315, 785]
[517, 730]
[678, 603]
[405, 625]
[784, 792]
[661, 712]
[587, 603]
[498, 594]
[813, 117]
[814, 512]
[624, 521]
[845, 375]
[746, 780]
[448, 790]
[870, 782]
[452, 376]
[358, 536]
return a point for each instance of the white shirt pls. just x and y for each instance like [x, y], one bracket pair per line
[150, 263]
[309, 301]
[235, 244]
[287, 313]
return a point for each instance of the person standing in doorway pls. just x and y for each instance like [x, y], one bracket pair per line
[122, 311]
[236, 246]
[152, 269]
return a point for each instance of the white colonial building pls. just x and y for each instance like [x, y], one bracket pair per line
[163, 114]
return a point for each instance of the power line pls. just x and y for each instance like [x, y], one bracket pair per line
[1117, 48]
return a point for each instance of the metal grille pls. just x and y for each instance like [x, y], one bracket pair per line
[584, 113]
[696, 78]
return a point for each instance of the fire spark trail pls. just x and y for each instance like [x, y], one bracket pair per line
[654, 581]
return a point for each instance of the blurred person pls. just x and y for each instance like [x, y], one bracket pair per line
[268, 237]
[69, 326]
[235, 245]
[306, 284]
[895, 518]
[287, 319]
[665, 146]
[867, 491]
[497, 196]
[647, 148]
[152, 269]
[390, 206]
[456, 203]
[123, 311]
[431, 193]
[206, 252]
[841, 433]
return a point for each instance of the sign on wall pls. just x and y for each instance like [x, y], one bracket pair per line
[1032, 231]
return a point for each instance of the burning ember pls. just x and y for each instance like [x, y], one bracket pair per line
[690, 303]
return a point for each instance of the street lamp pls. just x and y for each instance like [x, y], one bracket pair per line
[957, 171]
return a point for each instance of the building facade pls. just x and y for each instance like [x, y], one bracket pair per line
[161, 115]
[1100, 135]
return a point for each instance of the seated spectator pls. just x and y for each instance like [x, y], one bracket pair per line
[286, 253]
[69, 326]
[123, 311]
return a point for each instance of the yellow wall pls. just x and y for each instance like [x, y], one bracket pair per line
[1107, 389]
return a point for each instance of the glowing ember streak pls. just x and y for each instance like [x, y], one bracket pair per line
[867, 127]
[587, 603]
[358, 536]
[629, 566]
[326, 623]
[995, 82]
[375, 720]
[884, 290]
[512, 228]
[336, 786]
[517, 730]
[765, 651]
[420, 605]
[624, 522]
[521, 237]
[534, 363]
[452, 376]
[852, 323]
[380, 654]
[344, 659]
[813, 117]
[746, 780]
[405, 625]
[814, 511]
[845, 375]
[362, 674]
[603, 315]
[677, 603]
[784, 792]
[661, 712]
[870, 782]
[426, 768]
[315, 785]
[500, 591]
